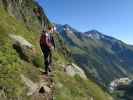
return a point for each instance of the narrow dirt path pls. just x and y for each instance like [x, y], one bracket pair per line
[45, 89]
[42, 90]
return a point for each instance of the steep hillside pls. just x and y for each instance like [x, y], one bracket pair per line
[23, 10]
[20, 74]
[101, 56]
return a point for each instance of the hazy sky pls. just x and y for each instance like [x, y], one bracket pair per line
[111, 17]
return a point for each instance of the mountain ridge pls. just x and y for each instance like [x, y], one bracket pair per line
[91, 31]
[102, 49]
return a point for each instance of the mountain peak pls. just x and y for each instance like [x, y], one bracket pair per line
[94, 34]
[94, 31]
[66, 25]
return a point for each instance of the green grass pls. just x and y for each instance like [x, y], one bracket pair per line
[10, 64]
[76, 88]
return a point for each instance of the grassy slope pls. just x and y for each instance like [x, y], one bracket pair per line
[11, 66]
[97, 59]
[75, 88]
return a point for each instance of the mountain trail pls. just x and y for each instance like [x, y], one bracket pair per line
[43, 90]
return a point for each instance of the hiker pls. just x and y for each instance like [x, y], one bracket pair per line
[47, 45]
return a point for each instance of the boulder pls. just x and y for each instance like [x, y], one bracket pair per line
[23, 47]
[73, 70]
[2, 94]
[32, 87]
[44, 89]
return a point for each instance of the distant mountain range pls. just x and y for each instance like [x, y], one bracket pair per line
[103, 57]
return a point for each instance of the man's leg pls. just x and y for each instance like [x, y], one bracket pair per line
[46, 62]
[49, 61]
[50, 58]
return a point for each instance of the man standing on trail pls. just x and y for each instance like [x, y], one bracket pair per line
[47, 45]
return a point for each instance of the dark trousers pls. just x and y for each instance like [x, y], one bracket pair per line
[47, 58]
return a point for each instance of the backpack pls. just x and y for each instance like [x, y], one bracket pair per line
[46, 40]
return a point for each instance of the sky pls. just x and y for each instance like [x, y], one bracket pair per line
[111, 17]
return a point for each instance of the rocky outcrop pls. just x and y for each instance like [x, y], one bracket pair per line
[23, 10]
[73, 70]
[23, 47]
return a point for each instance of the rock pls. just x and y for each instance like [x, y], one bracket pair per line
[47, 89]
[23, 47]
[39, 89]
[91, 98]
[32, 87]
[23, 10]
[73, 70]
[43, 86]
[2, 94]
